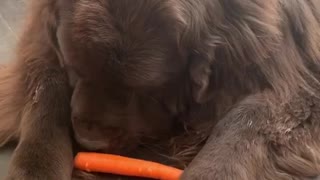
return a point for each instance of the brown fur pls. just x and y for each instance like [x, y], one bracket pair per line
[226, 88]
[11, 105]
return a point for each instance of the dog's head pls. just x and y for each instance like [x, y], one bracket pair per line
[121, 56]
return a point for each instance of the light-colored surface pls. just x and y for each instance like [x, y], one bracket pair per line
[11, 16]
[4, 159]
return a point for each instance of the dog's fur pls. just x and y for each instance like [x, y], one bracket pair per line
[227, 88]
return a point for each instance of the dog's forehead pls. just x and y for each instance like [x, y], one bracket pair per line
[132, 44]
[108, 21]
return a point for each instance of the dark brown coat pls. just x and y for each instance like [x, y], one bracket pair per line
[226, 88]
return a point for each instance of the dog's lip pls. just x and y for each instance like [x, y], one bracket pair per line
[92, 145]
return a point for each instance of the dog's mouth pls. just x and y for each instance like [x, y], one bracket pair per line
[94, 137]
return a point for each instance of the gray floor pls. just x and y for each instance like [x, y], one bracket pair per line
[11, 16]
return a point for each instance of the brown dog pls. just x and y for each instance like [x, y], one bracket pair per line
[228, 85]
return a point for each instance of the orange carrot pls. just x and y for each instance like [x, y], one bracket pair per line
[114, 164]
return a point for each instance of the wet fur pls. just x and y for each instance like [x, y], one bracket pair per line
[246, 101]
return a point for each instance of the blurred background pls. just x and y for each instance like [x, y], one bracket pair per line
[11, 17]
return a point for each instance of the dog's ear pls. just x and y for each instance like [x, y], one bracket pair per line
[195, 38]
[200, 60]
